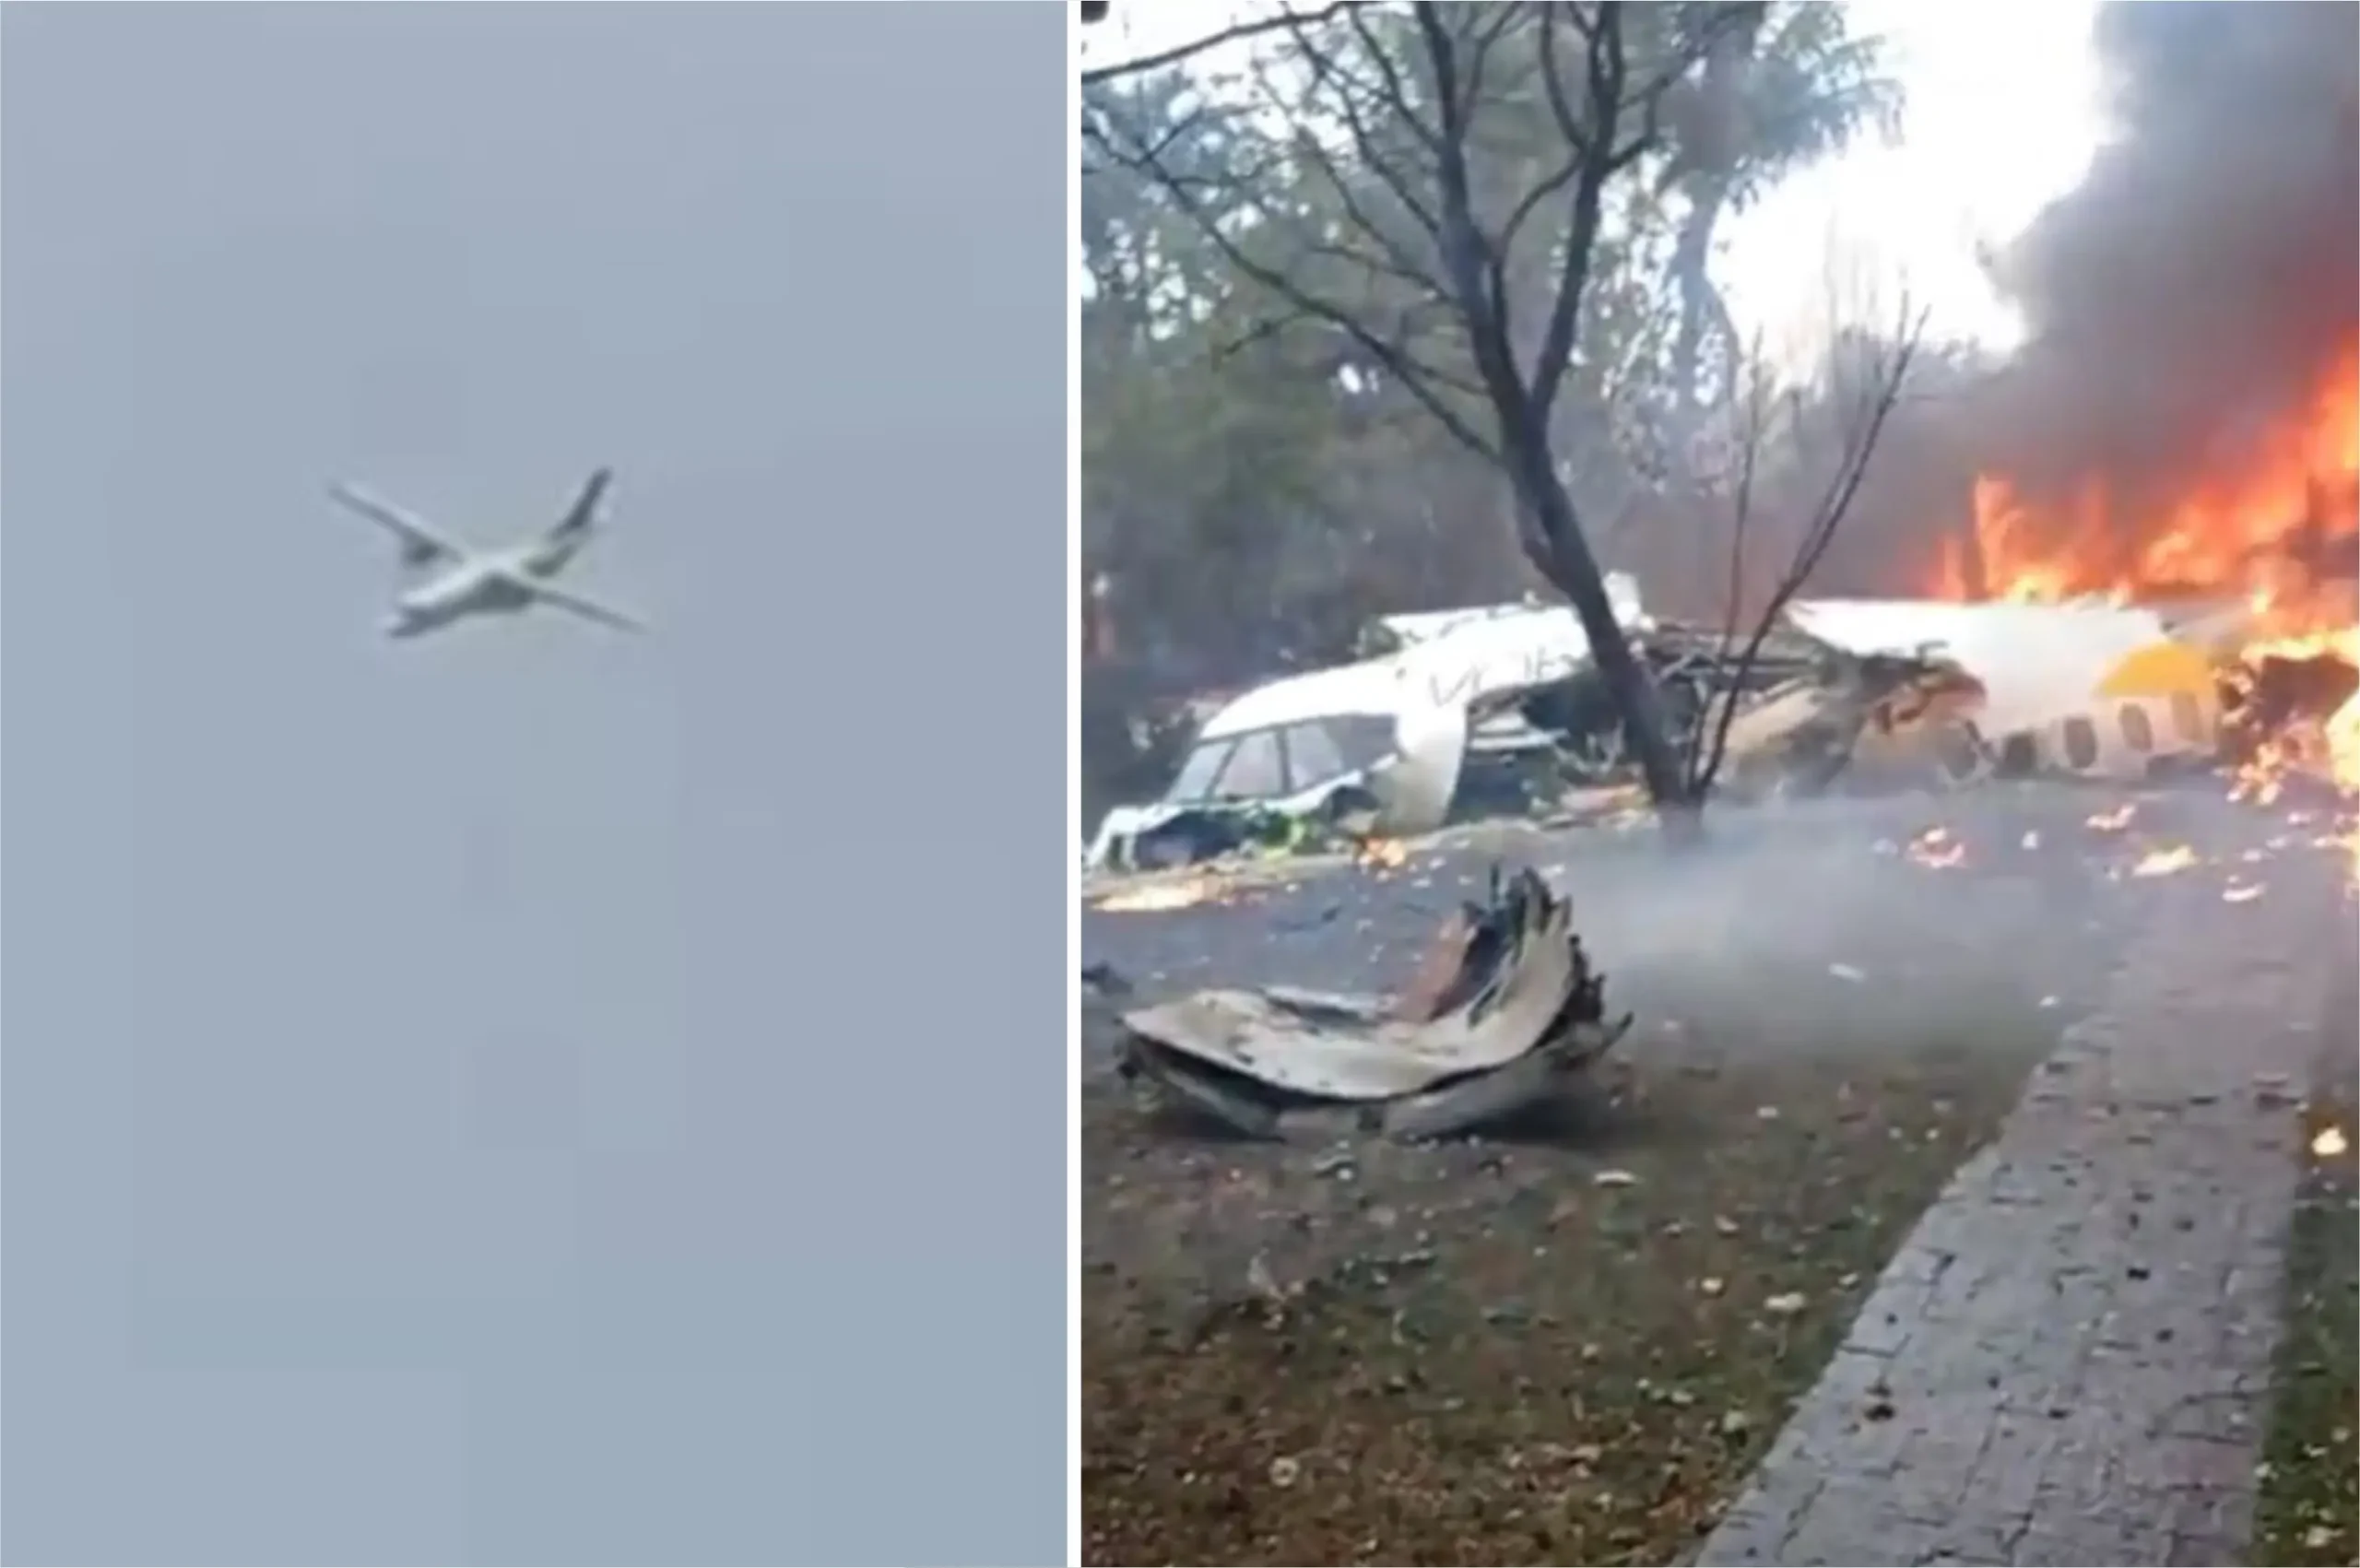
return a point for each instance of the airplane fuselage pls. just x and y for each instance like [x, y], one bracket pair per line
[547, 557]
[479, 585]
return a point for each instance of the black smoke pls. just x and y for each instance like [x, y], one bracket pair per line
[2205, 277]
[2195, 289]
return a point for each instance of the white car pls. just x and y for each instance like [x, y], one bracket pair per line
[1396, 729]
[1364, 734]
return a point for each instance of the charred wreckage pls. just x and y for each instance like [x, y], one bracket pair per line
[1498, 712]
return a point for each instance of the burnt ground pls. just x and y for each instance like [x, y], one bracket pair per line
[1571, 1341]
[2308, 1510]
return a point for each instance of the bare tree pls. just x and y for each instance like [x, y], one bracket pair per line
[1834, 430]
[1163, 59]
[1419, 128]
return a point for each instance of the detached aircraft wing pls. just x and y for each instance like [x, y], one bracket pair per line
[421, 542]
[580, 604]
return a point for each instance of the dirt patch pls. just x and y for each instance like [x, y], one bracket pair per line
[2308, 1510]
[1566, 1345]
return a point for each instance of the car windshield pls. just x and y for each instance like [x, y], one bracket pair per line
[1252, 773]
[1194, 780]
[1312, 757]
[1316, 751]
[1362, 740]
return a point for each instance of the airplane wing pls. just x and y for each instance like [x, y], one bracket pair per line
[421, 541]
[579, 604]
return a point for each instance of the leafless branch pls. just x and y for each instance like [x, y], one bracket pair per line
[1396, 91]
[1423, 379]
[1263, 331]
[1327, 71]
[1703, 760]
[1486, 26]
[1756, 422]
[1594, 139]
[1865, 404]
[1235, 34]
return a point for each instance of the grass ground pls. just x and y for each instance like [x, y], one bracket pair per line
[2309, 1507]
[1570, 1347]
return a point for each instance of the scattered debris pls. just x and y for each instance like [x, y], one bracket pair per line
[1169, 836]
[1502, 1011]
[1936, 850]
[2330, 1143]
[2165, 862]
[1179, 892]
[1846, 972]
[1785, 1305]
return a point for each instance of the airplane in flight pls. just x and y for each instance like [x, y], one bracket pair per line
[453, 581]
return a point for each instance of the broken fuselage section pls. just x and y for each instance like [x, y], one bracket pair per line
[1502, 1013]
[1500, 711]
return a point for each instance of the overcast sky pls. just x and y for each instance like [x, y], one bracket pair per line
[464, 1099]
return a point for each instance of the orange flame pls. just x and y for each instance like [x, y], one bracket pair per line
[2241, 530]
[2255, 528]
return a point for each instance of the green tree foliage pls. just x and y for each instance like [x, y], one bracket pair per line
[1770, 99]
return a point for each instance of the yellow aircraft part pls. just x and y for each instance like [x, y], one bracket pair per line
[2158, 670]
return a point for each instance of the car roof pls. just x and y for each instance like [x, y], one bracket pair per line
[1371, 686]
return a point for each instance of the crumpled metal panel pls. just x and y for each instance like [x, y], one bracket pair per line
[1516, 1009]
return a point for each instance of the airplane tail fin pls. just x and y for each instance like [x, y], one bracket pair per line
[584, 515]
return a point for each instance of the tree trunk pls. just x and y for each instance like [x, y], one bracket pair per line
[1575, 570]
[1703, 311]
[1691, 254]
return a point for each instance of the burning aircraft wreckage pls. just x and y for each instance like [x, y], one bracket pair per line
[2107, 637]
[1865, 693]
[2243, 662]
[2156, 570]
[1497, 711]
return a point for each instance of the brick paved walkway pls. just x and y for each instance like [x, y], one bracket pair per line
[2068, 1361]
